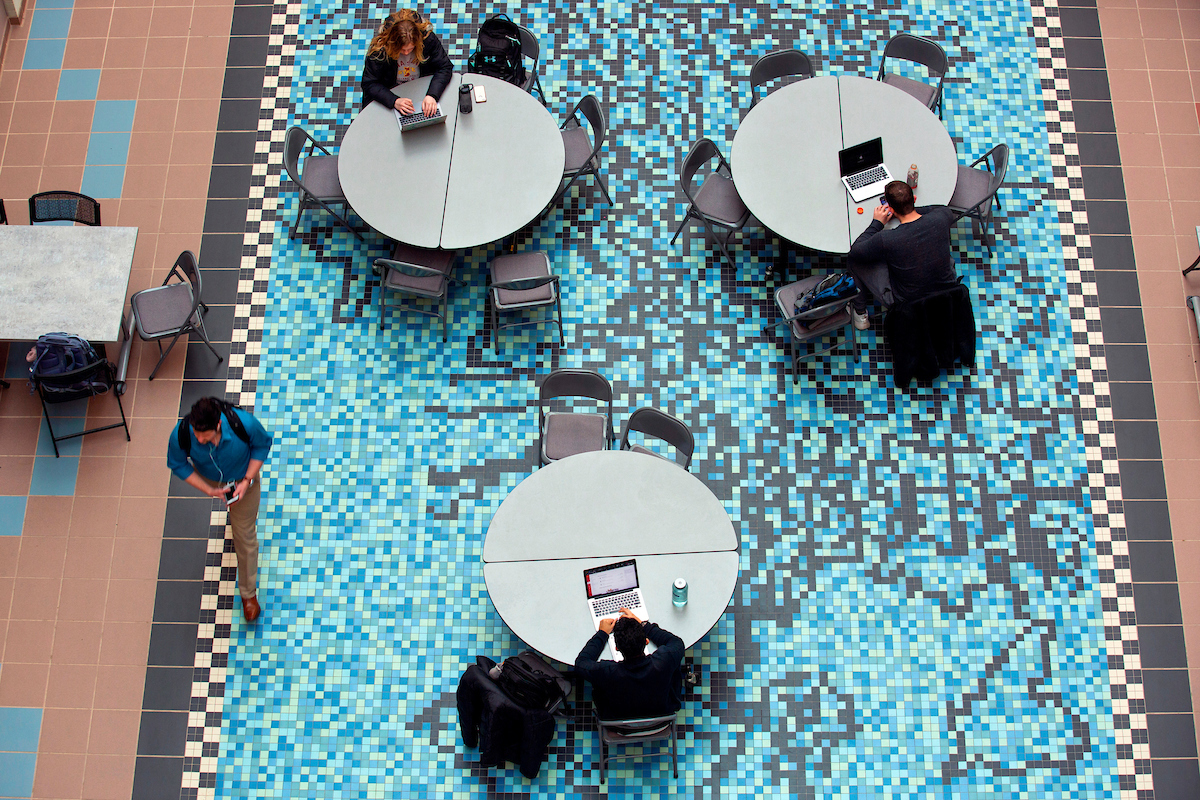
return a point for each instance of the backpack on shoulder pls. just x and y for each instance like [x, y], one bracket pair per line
[531, 682]
[58, 354]
[498, 51]
[227, 411]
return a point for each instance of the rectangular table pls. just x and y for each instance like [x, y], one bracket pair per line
[71, 279]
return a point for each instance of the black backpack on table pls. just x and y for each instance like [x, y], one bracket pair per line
[498, 52]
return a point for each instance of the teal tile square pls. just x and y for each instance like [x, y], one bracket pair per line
[113, 115]
[63, 426]
[101, 181]
[12, 520]
[50, 23]
[79, 84]
[16, 367]
[56, 4]
[107, 148]
[54, 476]
[44, 54]
[16, 774]
[19, 729]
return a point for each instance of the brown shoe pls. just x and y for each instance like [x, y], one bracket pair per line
[250, 608]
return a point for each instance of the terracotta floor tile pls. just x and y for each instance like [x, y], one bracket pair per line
[20, 436]
[142, 517]
[202, 82]
[23, 684]
[1160, 289]
[1150, 218]
[71, 686]
[28, 642]
[155, 115]
[170, 245]
[119, 84]
[161, 83]
[76, 642]
[1165, 54]
[98, 476]
[15, 474]
[1169, 325]
[10, 547]
[88, 557]
[1177, 400]
[47, 516]
[135, 559]
[84, 53]
[1170, 361]
[144, 211]
[130, 21]
[95, 517]
[14, 53]
[42, 557]
[6, 594]
[1179, 438]
[35, 599]
[1182, 151]
[1156, 252]
[1184, 213]
[1126, 54]
[1160, 23]
[1177, 118]
[1129, 85]
[132, 600]
[125, 53]
[212, 22]
[67, 149]
[24, 150]
[149, 148]
[1179, 179]
[31, 117]
[6, 111]
[1189, 601]
[89, 22]
[172, 366]
[125, 643]
[18, 182]
[183, 215]
[152, 433]
[69, 178]
[1189, 19]
[108, 777]
[1178, 474]
[158, 398]
[83, 599]
[167, 21]
[38, 84]
[193, 147]
[146, 477]
[187, 181]
[119, 687]
[198, 114]
[143, 265]
[1171, 86]
[66, 730]
[1120, 23]
[206, 51]
[59, 775]
[72, 116]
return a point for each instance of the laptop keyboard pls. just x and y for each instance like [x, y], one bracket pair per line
[603, 606]
[417, 116]
[861, 179]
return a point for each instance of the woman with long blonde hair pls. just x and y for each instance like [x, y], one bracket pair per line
[404, 48]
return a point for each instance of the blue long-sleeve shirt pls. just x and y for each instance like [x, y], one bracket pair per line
[229, 459]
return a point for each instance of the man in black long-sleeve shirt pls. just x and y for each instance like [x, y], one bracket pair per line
[640, 685]
[907, 262]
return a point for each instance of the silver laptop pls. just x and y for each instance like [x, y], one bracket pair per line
[417, 119]
[863, 172]
[611, 588]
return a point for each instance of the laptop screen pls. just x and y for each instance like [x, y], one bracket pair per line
[619, 577]
[861, 156]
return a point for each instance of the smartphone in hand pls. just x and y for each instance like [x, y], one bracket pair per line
[231, 495]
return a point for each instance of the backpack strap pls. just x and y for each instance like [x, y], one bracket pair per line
[184, 436]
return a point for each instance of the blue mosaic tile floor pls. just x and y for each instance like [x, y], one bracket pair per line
[919, 610]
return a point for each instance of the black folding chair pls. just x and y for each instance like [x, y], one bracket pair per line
[78, 384]
[63, 206]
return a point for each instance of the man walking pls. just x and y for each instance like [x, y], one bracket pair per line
[220, 450]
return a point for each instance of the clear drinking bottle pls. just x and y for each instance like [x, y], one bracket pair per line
[679, 593]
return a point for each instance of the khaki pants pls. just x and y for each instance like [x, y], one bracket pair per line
[243, 518]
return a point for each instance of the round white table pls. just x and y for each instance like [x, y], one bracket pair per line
[598, 508]
[785, 156]
[468, 182]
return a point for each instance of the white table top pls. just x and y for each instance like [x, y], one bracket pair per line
[470, 181]
[598, 508]
[59, 278]
[785, 156]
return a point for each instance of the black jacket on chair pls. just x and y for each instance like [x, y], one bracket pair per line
[379, 74]
[503, 730]
[929, 334]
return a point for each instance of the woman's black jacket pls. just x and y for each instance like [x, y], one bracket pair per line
[379, 75]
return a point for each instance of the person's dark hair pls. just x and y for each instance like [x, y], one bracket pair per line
[630, 637]
[205, 414]
[900, 197]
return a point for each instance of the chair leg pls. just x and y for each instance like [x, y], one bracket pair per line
[687, 216]
[163, 357]
[674, 759]
[50, 427]
[603, 756]
[299, 214]
[495, 315]
[200, 329]
[340, 219]
[721, 244]
[5, 384]
[563, 191]
[561, 338]
[124, 422]
[600, 183]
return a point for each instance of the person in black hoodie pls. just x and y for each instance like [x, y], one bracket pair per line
[405, 47]
[640, 685]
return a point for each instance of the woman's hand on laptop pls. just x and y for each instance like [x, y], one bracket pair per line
[429, 106]
[404, 105]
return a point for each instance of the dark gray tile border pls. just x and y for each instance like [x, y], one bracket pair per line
[1127, 362]
[1162, 647]
[1152, 562]
[252, 20]
[1147, 519]
[1094, 116]
[244, 82]
[1108, 217]
[1123, 325]
[231, 181]
[1142, 480]
[1156, 603]
[226, 215]
[247, 51]
[157, 778]
[1138, 439]
[1079, 22]
[167, 689]
[1099, 149]
[1103, 183]
[234, 147]
[201, 364]
[1176, 779]
[222, 250]
[162, 733]
[1171, 735]
[1112, 252]
[238, 115]
[188, 518]
[193, 391]
[1084, 54]
[182, 559]
[172, 644]
[1167, 690]
[1089, 84]
[177, 601]
[1132, 400]
[1114, 288]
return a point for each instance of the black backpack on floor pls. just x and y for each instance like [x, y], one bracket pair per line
[498, 52]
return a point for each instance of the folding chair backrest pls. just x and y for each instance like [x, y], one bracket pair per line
[3, 216]
[660, 425]
[188, 269]
[590, 107]
[923, 51]
[779, 64]
[63, 206]
[529, 44]
[999, 156]
[575, 383]
[293, 146]
[84, 382]
[701, 153]
[616, 730]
